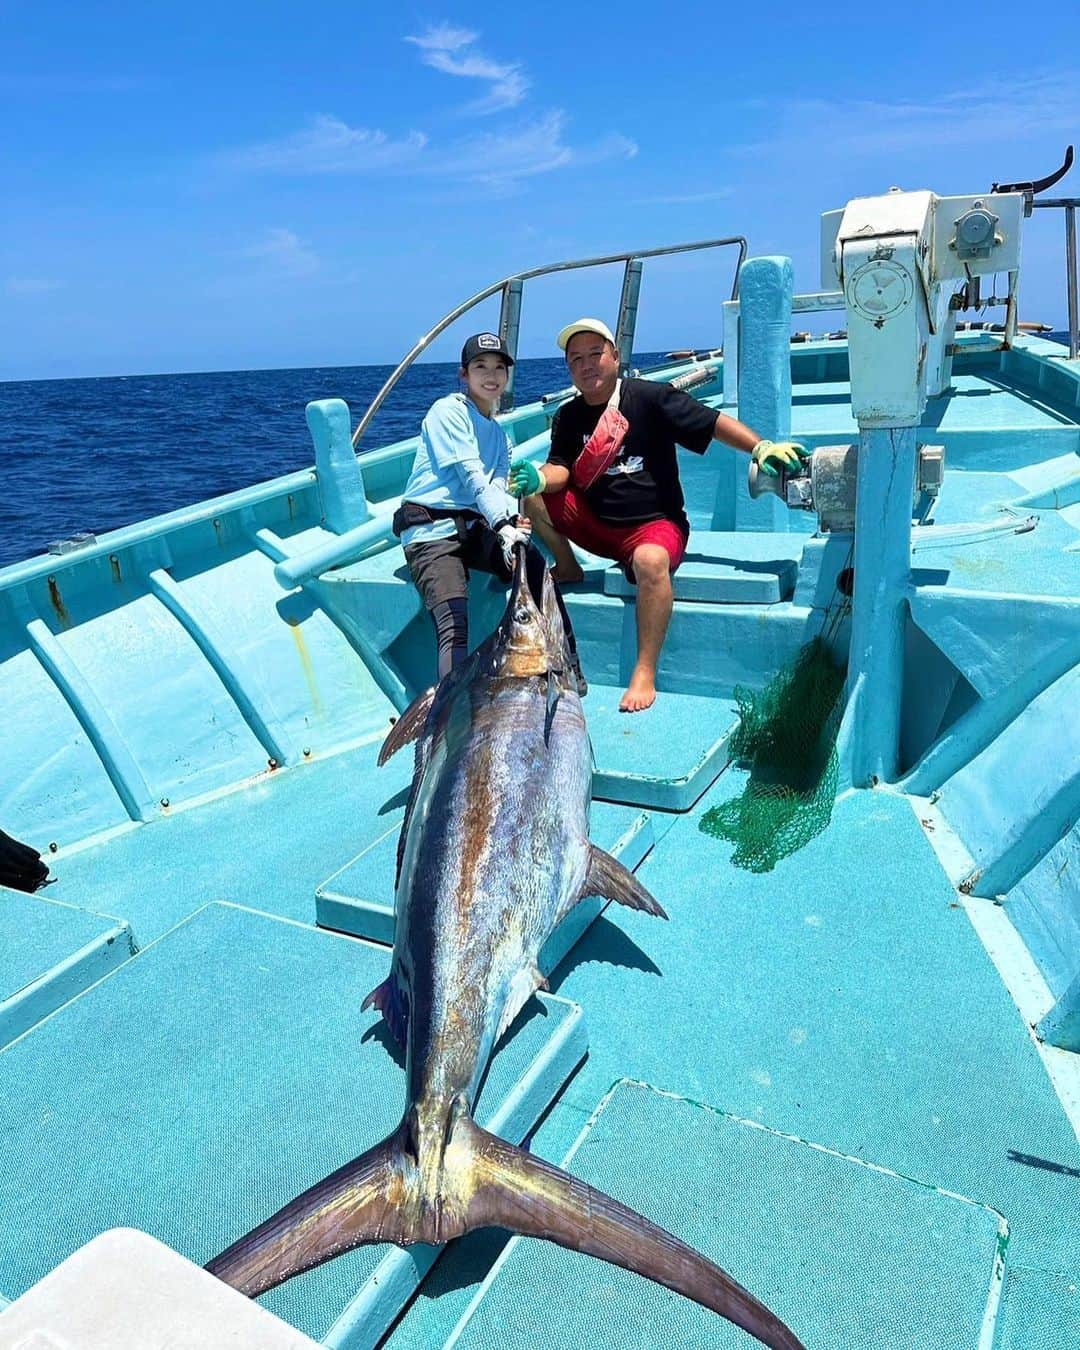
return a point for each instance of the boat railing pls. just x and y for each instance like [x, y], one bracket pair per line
[510, 309]
[1068, 205]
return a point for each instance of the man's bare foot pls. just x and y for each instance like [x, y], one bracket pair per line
[567, 576]
[641, 694]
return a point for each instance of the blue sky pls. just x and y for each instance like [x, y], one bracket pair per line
[197, 187]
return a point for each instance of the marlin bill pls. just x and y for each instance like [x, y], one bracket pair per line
[493, 853]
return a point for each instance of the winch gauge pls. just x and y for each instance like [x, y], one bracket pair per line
[879, 289]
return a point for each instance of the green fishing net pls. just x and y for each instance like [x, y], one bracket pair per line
[786, 737]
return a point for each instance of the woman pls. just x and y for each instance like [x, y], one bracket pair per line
[456, 513]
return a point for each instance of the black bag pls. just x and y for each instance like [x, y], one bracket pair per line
[21, 867]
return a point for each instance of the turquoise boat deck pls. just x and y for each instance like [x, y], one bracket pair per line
[819, 1075]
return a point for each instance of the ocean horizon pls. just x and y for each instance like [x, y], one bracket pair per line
[104, 451]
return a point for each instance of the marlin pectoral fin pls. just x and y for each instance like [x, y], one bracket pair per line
[354, 1205]
[516, 1190]
[522, 987]
[408, 726]
[387, 997]
[552, 704]
[607, 876]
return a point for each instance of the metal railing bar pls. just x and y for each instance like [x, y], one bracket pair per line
[1068, 205]
[569, 266]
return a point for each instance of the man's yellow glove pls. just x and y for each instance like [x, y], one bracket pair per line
[788, 453]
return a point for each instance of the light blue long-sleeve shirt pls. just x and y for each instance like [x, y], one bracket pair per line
[461, 463]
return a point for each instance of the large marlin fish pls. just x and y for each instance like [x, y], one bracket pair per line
[494, 851]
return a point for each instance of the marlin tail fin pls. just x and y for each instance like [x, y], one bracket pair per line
[520, 1192]
[374, 1199]
[352, 1206]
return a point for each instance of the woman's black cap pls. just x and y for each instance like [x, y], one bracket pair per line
[484, 344]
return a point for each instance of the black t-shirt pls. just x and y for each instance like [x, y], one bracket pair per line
[642, 483]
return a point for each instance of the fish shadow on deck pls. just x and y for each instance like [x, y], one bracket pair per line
[381, 1032]
[606, 943]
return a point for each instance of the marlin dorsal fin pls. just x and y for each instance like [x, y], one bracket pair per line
[409, 725]
[607, 876]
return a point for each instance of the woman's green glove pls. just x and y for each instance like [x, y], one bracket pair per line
[525, 478]
[789, 453]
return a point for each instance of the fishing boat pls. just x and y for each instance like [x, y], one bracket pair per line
[847, 1070]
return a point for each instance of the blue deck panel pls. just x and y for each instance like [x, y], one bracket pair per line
[848, 1001]
[1032, 563]
[1040, 1310]
[748, 567]
[226, 1068]
[307, 821]
[664, 758]
[846, 1254]
[50, 952]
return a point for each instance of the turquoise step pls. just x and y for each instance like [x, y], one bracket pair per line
[220, 1072]
[359, 899]
[848, 1254]
[745, 567]
[49, 952]
[664, 757]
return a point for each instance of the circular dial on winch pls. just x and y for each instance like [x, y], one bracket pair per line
[880, 289]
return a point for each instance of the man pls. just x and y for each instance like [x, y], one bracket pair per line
[611, 482]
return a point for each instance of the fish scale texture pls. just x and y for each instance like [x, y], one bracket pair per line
[1041, 1311]
[847, 1254]
[222, 1071]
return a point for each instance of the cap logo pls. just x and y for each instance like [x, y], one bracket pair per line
[488, 340]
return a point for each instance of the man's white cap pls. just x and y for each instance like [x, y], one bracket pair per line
[585, 326]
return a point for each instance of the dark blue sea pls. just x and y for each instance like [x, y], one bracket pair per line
[98, 454]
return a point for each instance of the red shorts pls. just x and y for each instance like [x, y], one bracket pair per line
[572, 516]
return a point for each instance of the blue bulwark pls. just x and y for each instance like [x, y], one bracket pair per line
[846, 1253]
[234, 1052]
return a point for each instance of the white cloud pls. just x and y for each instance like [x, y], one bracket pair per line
[687, 198]
[444, 37]
[444, 48]
[31, 285]
[496, 158]
[285, 253]
[504, 157]
[1008, 110]
[328, 145]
